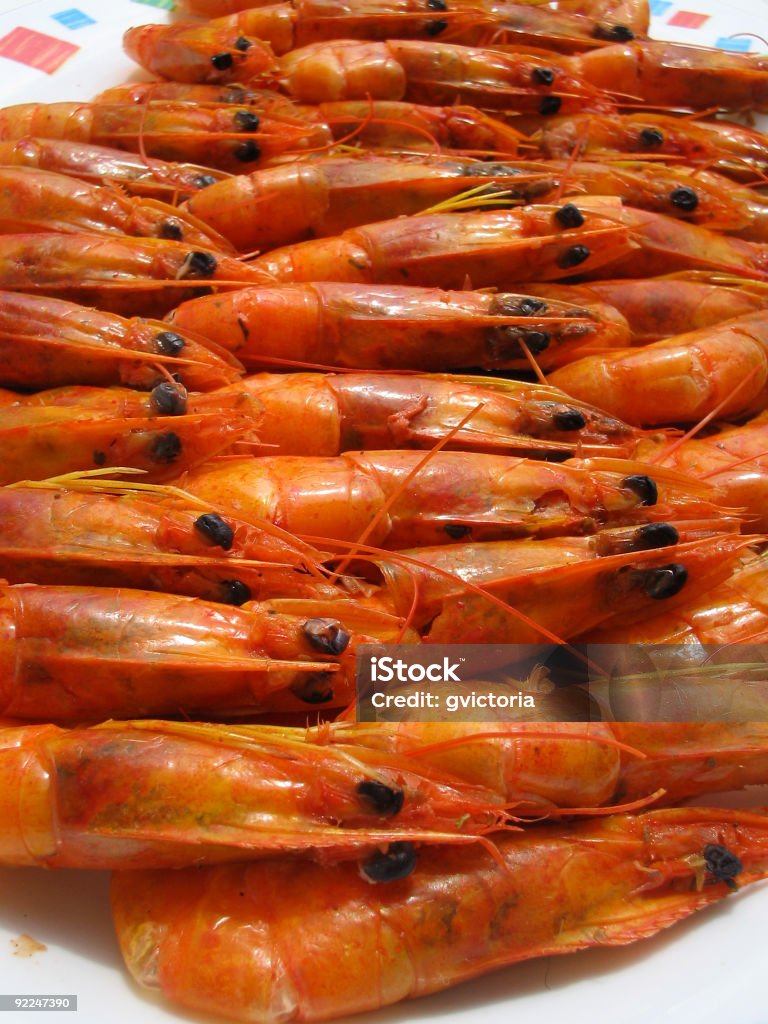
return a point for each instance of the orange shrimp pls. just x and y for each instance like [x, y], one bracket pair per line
[401, 499]
[117, 795]
[39, 442]
[392, 125]
[35, 200]
[90, 653]
[457, 916]
[143, 176]
[660, 307]
[399, 327]
[436, 73]
[675, 75]
[491, 248]
[733, 459]
[134, 276]
[428, 578]
[63, 534]
[293, 24]
[347, 69]
[614, 589]
[47, 342]
[223, 135]
[327, 196]
[721, 369]
[632, 13]
[326, 414]
[666, 244]
[724, 146]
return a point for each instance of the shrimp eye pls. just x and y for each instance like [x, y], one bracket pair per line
[434, 28]
[171, 229]
[246, 121]
[651, 137]
[169, 399]
[235, 592]
[456, 530]
[529, 306]
[222, 61]
[613, 33]
[643, 487]
[569, 419]
[574, 256]
[204, 181]
[722, 864]
[437, 5]
[165, 447]
[666, 581]
[213, 528]
[537, 341]
[327, 635]
[170, 344]
[550, 105]
[247, 151]
[655, 535]
[543, 76]
[398, 862]
[570, 216]
[316, 689]
[684, 198]
[242, 44]
[384, 799]
[197, 264]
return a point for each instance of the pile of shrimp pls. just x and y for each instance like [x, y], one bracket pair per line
[384, 322]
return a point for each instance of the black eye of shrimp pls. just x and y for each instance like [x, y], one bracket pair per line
[643, 486]
[613, 33]
[235, 592]
[198, 264]
[456, 530]
[569, 216]
[169, 399]
[666, 581]
[222, 61]
[435, 28]
[398, 862]
[216, 530]
[247, 151]
[543, 76]
[165, 448]
[170, 344]
[550, 105]
[651, 137]
[327, 635]
[315, 689]
[171, 229]
[384, 799]
[437, 5]
[569, 419]
[246, 121]
[684, 198]
[655, 535]
[722, 864]
[242, 44]
[204, 181]
[573, 257]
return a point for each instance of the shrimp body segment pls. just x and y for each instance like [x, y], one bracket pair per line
[400, 499]
[680, 379]
[610, 881]
[492, 248]
[47, 342]
[393, 327]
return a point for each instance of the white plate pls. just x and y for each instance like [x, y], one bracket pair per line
[709, 970]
